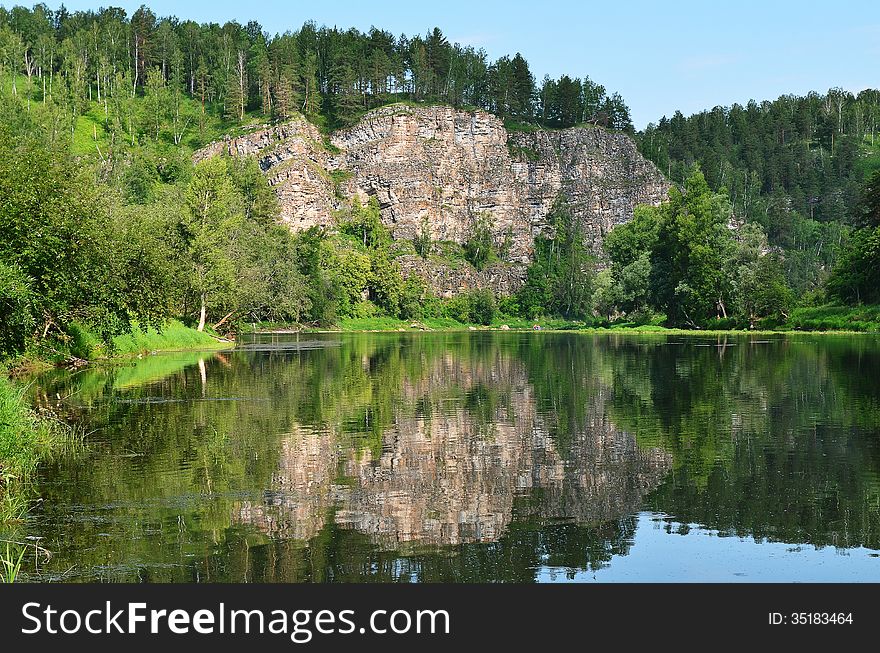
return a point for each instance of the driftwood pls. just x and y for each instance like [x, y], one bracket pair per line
[220, 323]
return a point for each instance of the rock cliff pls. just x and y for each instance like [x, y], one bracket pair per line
[443, 168]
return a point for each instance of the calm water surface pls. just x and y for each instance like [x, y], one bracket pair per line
[471, 457]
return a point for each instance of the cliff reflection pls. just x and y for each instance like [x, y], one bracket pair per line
[465, 440]
[456, 457]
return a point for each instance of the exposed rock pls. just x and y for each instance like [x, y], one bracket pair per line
[444, 167]
[447, 280]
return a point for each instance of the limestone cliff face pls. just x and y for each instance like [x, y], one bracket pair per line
[444, 168]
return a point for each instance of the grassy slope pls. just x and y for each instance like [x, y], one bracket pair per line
[174, 336]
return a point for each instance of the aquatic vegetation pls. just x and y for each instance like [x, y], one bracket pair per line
[11, 563]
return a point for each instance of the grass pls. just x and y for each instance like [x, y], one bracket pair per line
[11, 564]
[520, 151]
[836, 318]
[174, 336]
[826, 320]
[26, 439]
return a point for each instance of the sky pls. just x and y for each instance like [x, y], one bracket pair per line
[661, 56]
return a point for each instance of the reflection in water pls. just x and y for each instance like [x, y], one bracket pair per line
[469, 457]
[450, 476]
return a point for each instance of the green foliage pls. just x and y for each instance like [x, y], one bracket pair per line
[869, 205]
[522, 151]
[17, 319]
[386, 282]
[832, 317]
[11, 561]
[560, 279]
[25, 440]
[481, 309]
[794, 165]
[351, 269]
[178, 82]
[83, 343]
[688, 278]
[684, 259]
[629, 247]
[170, 336]
[365, 224]
[856, 277]
[422, 242]
[412, 298]
[339, 177]
[322, 292]
[60, 233]
[479, 244]
[209, 224]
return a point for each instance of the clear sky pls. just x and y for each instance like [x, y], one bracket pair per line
[661, 56]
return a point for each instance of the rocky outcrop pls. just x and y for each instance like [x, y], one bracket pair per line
[442, 168]
[448, 280]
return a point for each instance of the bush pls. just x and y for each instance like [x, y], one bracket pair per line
[411, 295]
[364, 310]
[479, 245]
[16, 311]
[83, 343]
[482, 307]
[458, 308]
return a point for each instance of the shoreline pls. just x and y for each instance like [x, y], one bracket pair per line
[658, 331]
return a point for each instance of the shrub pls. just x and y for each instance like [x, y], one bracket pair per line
[481, 309]
[479, 246]
[16, 310]
[411, 295]
[83, 343]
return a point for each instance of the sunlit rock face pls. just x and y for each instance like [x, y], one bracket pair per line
[453, 461]
[442, 168]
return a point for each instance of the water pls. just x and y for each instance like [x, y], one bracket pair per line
[470, 457]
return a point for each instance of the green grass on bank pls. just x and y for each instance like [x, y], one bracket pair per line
[836, 318]
[26, 438]
[824, 319]
[174, 336]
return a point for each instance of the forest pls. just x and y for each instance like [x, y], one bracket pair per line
[108, 227]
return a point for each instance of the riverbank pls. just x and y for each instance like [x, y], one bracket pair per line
[26, 439]
[822, 320]
[174, 336]
[85, 347]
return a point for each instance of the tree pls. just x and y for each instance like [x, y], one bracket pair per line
[560, 279]
[629, 247]
[479, 241]
[17, 319]
[365, 224]
[869, 206]
[523, 88]
[482, 307]
[856, 277]
[209, 224]
[422, 242]
[688, 264]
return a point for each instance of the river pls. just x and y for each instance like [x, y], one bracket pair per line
[470, 457]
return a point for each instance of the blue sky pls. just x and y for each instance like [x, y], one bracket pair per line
[659, 56]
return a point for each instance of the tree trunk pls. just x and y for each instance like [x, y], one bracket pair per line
[202, 314]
